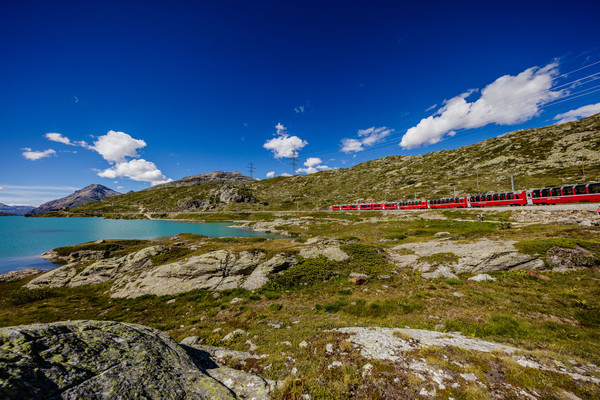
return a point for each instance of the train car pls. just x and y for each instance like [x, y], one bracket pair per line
[377, 206]
[565, 194]
[349, 207]
[498, 199]
[453, 202]
[416, 204]
[336, 207]
[365, 206]
[390, 206]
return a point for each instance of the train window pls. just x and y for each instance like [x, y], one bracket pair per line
[567, 191]
[489, 197]
[580, 189]
[495, 197]
[594, 188]
[555, 191]
[536, 193]
[501, 196]
[509, 196]
[545, 193]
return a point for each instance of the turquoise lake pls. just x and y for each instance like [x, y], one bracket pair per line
[22, 239]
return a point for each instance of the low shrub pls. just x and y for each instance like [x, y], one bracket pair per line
[24, 295]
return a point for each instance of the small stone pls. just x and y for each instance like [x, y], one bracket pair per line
[439, 327]
[329, 347]
[441, 235]
[469, 377]
[217, 330]
[457, 294]
[357, 275]
[216, 295]
[366, 370]
[171, 301]
[303, 344]
[286, 343]
[334, 364]
[236, 300]
[274, 325]
[294, 371]
[306, 396]
[253, 347]
[482, 277]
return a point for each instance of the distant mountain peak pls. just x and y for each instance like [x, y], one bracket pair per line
[89, 193]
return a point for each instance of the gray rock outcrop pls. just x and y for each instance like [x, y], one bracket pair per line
[99, 360]
[135, 275]
[19, 274]
[562, 259]
[479, 256]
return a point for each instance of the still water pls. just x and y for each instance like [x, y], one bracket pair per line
[22, 239]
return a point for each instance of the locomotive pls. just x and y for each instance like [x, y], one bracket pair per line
[587, 192]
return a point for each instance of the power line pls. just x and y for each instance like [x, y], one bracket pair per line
[251, 168]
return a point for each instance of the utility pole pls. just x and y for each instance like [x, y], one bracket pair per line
[293, 160]
[297, 209]
[385, 198]
[455, 191]
[477, 171]
[512, 184]
[583, 167]
[251, 168]
[415, 196]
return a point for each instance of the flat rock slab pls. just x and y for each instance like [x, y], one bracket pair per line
[382, 344]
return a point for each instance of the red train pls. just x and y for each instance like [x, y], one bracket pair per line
[587, 192]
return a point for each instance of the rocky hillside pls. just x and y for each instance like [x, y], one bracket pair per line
[216, 177]
[14, 210]
[554, 155]
[87, 194]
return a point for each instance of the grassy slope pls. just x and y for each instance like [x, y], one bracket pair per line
[538, 157]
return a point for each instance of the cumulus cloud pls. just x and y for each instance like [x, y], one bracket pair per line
[270, 174]
[506, 101]
[37, 155]
[115, 146]
[57, 137]
[313, 164]
[138, 170]
[286, 174]
[284, 145]
[577, 113]
[368, 137]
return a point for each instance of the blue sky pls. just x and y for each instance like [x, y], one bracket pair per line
[128, 94]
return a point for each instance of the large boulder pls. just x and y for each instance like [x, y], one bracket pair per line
[216, 270]
[99, 360]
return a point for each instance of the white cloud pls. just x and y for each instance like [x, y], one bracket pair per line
[57, 137]
[286, 174]
[369, 137]
[313, 164]
[115, 146]
[508, 100]
[37, 155]
[1, 188]
[284, 145]
[299, 109]
[431, 108]
[270, 174]
[138, 170]
[580, 112]
[351, 145]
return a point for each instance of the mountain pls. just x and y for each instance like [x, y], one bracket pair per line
[87, 194]
[217, 177]
[541, 157]
[15, 210]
